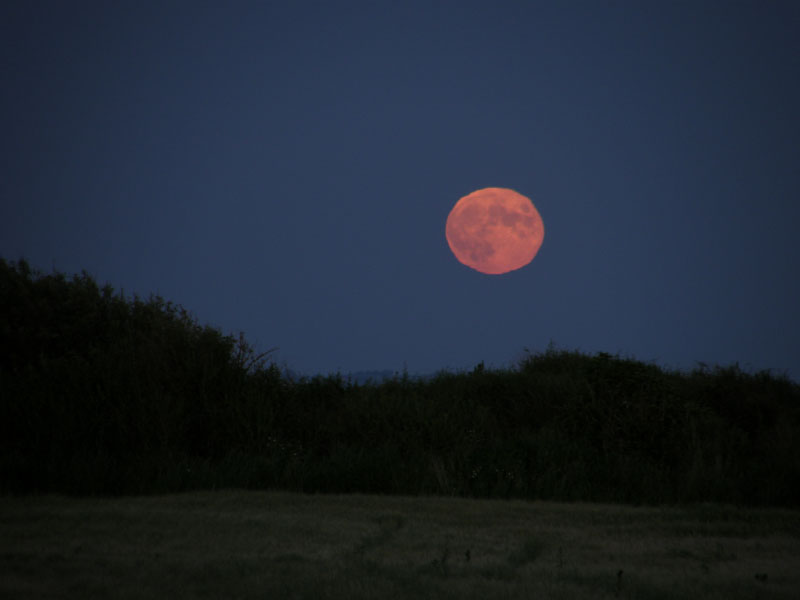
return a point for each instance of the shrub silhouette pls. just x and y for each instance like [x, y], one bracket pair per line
[100, 393]
[91, 377]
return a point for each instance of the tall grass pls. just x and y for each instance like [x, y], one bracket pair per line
[102, 394]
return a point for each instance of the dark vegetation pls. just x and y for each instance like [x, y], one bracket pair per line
[102, 394]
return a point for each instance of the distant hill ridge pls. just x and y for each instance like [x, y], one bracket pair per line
[360, 377]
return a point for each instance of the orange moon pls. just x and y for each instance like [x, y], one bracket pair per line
[494, 230]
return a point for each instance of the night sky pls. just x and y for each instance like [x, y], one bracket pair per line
[286, 169]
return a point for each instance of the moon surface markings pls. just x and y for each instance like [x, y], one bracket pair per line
[494, 230]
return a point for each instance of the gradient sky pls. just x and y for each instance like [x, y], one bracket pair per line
[286, 169]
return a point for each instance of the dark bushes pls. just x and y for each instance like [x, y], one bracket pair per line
[104, 394]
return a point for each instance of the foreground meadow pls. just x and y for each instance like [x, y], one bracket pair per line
[250, 544]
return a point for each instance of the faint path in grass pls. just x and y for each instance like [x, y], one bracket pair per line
[282, 545]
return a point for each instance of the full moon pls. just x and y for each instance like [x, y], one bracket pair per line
[494, 230]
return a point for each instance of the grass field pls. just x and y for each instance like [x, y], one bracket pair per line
[234, 544]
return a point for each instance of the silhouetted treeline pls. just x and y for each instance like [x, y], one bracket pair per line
[101, 394]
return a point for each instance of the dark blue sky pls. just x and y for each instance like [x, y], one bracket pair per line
[286, 169]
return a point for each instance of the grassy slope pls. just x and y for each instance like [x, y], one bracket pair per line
[282, 545]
